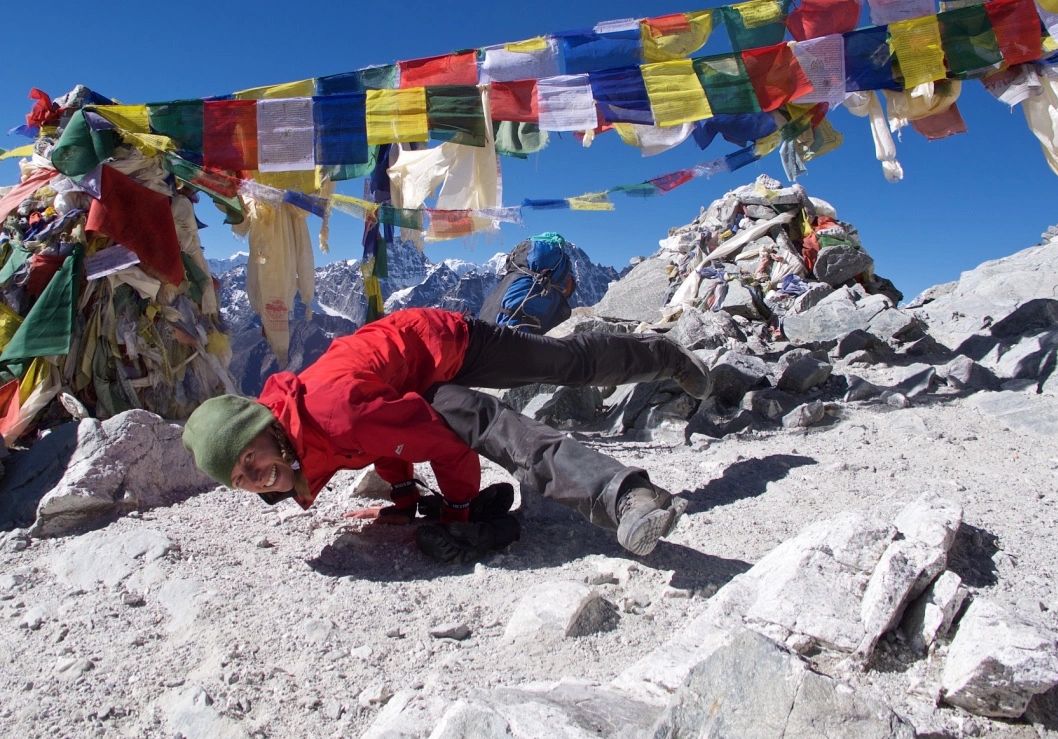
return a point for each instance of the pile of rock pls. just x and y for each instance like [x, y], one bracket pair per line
[781, 649]
[792, 335]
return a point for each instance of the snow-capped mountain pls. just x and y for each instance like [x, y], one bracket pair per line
[339, 306]
[220, 266]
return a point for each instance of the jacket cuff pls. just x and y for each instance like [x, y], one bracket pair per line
[455, 512]
[405, 495]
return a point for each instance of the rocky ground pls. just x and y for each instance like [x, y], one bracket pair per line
[214, 615]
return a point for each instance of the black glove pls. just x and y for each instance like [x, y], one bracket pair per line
[464, 543]
[494, 501]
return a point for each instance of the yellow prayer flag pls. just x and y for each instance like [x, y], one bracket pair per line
[354, 206]
[37, 374]
[299, 89]
[591, 201]
[768, 144]
[680, 44]
[300, 180]
[9, 323]
[825, 139]
[1050, 44]
[528, 46]
[756, 13]
[917, 46]
[1051, 6]
[21, 151]
[126, 117]
[675, 92]
[397, 116]
[148, 143]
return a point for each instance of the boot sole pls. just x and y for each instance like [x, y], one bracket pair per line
[642, 538]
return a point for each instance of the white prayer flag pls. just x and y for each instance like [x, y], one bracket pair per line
[823, 61]
[566, 103]
[285, 135]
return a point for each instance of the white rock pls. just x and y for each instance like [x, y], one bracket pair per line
[374, 695]
[465, 720]
[810, 591]
[997, 662]
[930, 617]
[559, 608]
[369, 484]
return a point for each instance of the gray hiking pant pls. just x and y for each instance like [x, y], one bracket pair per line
[546, 461]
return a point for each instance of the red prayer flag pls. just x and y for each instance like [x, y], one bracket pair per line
[666, 25]
[1017, 29]
[514, 101]
[14, 197]
[941, 125]
[450, 69]
[9, 406]
[447, 224]
[229, 134]
[672, 180]
[815, 18]
[140, 219]
[776, 75]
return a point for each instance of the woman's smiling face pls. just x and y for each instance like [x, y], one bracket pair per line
[261, 467]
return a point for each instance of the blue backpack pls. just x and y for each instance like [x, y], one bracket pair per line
[533, 294]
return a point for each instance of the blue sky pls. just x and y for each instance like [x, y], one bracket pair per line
[963, 200]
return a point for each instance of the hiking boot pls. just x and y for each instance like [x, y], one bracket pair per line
[644, 516]
[693, 376]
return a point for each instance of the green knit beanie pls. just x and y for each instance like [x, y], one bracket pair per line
[219, 430]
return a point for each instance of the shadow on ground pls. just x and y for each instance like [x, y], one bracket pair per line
[746, 479]
[388, 554]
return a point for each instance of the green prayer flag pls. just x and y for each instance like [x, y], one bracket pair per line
[455, 113]
[19, 255]
[81, 149]
[753, 35]
[223, 188]
[340, 172]
[180, 120]
[403, 217]
[381, 260]
[48, 327]
[727, 85]
[519, 139]
[968, 40]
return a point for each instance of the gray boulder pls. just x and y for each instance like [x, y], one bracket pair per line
[743, 301]
[838, 585]
[697, 329]
[932, 614]
[861, 389]
[560, 609]
[1030, 358]
[569, 708]
[639, 295]
[564, 407]
[854, 341]
[110, 468]
[989, 292]
[751, 686]
[769, 403]
[805, 415]
[817, 291]
[735, 374]
[1020, 411]
[997, 662]
[799, 371]
[963, 373]
[836, 315]
[896, 325]
[838, 264]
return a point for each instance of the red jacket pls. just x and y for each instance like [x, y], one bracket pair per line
[361, 403]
